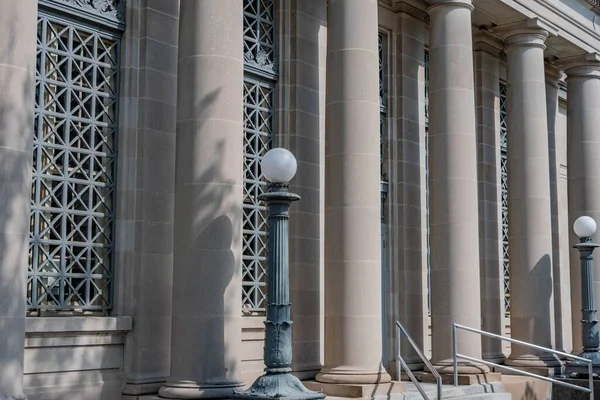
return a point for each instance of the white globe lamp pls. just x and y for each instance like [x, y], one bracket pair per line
[584, 227]
[279, 165]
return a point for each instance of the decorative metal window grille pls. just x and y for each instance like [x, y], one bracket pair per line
[259, 35]
[504, 198]
[74, 154]
[383, 109]
[426, 62]
[259, 84]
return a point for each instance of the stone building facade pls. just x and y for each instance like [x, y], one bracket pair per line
[444, 149]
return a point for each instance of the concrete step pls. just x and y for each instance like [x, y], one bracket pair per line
[488, 391]
[489, 396]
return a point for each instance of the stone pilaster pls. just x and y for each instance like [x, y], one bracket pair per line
[17, 77]
[454, 222]
[561, 316]
[487, 79]
[146, 191]
[353, 322]
[408, 266]
[583, 119]
[301, 129]
[206, 323]
[530, 228]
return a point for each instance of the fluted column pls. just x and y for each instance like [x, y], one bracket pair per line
[454, 224]
[353, 321]
[206, 324]
[529, 216]
[583, 120]
[17, 76]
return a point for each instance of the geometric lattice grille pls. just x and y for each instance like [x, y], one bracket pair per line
[504, 199]
[258, 133]
[383, 116]
[72, 203]
[426, 70]
[259, 34]
[259, 84]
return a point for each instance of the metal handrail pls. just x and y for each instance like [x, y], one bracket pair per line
[457, 355]
[402, 364]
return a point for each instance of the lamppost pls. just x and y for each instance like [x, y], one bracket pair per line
[279, 167]
[585, 227]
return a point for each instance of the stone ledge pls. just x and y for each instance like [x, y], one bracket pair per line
[77, 324]
[356, 390]
[463, 379]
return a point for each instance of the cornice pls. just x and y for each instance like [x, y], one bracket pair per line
[106, 12]
[530, 25]
[484, 41]
[589, 59]
[415, 10]
[595, 5]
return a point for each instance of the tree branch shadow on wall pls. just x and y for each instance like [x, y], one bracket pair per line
[208, 237]
[213, 222]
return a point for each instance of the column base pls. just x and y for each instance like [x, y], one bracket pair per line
[182, 390]
[464, 367]
[499, 358]
[534, 361]
[278, 386]
[352, 376]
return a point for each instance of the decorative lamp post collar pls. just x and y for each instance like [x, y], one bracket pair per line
[279, 167]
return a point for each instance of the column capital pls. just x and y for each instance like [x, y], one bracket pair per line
[553, 73]
[532, 32]
[433, 4]
[535, 37]
[582, 65]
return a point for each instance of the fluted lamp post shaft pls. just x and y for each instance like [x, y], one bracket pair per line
[585, 227]
[279, 167]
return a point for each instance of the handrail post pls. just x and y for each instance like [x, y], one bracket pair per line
[591, 379]
[454, 352]
[399, 354]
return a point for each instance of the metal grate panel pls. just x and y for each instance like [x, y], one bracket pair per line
[383, 116]
[259, 86]
[427, 245]
[72, 204]
[259, 35]
[504, 198]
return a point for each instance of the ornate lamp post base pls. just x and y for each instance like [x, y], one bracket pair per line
[284, 386]
[581, 369]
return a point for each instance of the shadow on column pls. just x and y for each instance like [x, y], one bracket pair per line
[206, 320]
[538, 326]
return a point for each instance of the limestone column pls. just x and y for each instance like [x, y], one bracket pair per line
[353, 321]
[487, 65]
[583, 120]
[17, 77]
[529, 216]
[454, 231]
[206, 324]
